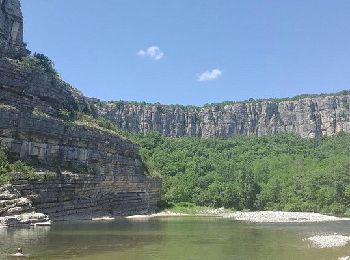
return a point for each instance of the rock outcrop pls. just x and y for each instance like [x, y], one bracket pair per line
[75, 196]
[106, 175]
[11, 29]
[94, 172]
[16, 210]
[308, 117]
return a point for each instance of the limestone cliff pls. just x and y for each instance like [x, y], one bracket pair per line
[95, 172]
[98, 172]
[11, 29]
[308, 117]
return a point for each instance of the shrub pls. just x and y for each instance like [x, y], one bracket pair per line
[7, 168]
[40, 62]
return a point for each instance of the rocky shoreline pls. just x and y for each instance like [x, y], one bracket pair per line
[27, 219]
[282, 217]
[254, 217]
[17, 211]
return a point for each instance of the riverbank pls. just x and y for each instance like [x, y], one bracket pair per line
[282, 217]
[254, 217]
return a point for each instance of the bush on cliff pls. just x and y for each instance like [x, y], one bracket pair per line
[7, 167]
[40, 62]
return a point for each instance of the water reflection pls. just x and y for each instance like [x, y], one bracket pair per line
[11, 239]
[172, 238]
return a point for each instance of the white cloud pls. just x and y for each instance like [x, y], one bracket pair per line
[153, 52]
[209, 75]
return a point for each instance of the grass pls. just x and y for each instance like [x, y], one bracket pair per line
[192, 209]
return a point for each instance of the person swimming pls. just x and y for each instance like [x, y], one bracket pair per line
[19, 252]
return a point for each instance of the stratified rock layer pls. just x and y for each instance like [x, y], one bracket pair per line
[18, 211]
[98, 173]
[308, 117]
[68, 196]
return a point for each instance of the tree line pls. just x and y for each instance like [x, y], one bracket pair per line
[281, 172]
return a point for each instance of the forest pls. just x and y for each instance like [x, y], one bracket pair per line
[281, 172]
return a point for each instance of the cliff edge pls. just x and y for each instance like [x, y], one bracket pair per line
[309, 117]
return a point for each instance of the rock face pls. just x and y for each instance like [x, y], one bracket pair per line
[308, 117]
[75, 196]
[97, 172]
[11, 202]
[11, 29]
[18, 211]
[106, 175]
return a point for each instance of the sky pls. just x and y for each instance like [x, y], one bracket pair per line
[193, 52]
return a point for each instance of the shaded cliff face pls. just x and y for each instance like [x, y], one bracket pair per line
[308, 117]
[11, 29]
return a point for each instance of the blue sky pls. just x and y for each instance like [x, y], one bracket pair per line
[194, 51]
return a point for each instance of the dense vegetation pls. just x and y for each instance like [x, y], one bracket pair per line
[283, 172]
[40, 62]
[7, 167]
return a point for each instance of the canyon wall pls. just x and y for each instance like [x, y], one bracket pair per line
[11, 29]
[307, 117]
[82, 170]
[71, 197]
[96, 171]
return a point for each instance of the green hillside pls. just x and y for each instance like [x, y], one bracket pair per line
[282, 172]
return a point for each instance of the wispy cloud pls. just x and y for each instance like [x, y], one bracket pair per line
[209, 75]
[152, 52]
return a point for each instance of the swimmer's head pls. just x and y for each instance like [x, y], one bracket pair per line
[19, 250]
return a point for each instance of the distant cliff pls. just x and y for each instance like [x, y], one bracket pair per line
[309, 117]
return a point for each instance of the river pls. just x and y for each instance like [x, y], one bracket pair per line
[172, 238]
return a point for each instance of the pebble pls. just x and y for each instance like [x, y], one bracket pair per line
[281, 217]
[328, 241]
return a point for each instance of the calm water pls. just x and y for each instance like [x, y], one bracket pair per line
[172, 238]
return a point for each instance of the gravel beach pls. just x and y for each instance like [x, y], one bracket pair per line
[328, 241]
[256, 217]
[281, 217]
